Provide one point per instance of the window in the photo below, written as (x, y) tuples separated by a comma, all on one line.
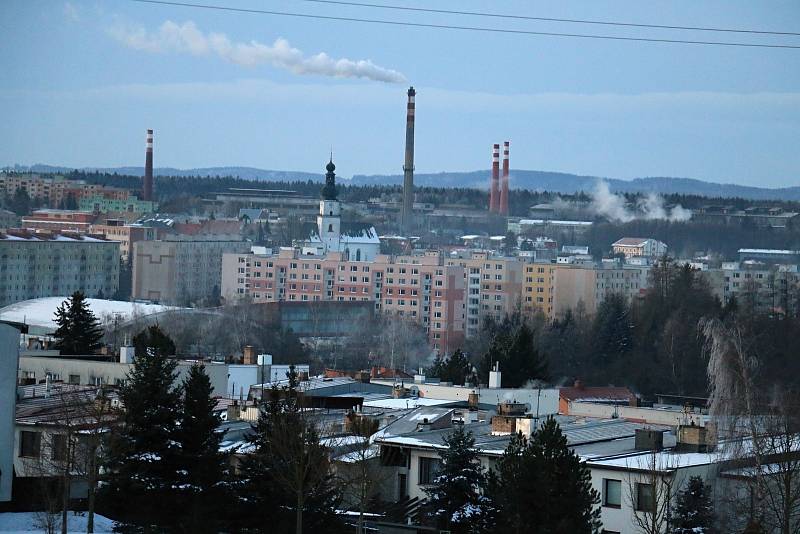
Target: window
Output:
[(74, 379), (645, 499), (428, 469), (29, 444), (59, 448), (612, 493)]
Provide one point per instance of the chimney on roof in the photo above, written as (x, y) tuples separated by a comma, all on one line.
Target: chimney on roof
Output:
[(692, 438), (647, 439), (495, 378), (248, 355)]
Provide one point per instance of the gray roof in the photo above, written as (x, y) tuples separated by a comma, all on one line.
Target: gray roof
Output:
[(595, 437)]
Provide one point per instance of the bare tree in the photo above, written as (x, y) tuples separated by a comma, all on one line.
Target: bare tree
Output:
[(360, 469), (651, 492)]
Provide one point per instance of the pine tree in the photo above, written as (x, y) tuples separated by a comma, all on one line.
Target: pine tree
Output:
[(78, 331), (694, 510), (142, 464), (286, 484), (520, 359), (455, 501), (455, 369), (153, 338), (202, 468), (540, 485), (567, 502)]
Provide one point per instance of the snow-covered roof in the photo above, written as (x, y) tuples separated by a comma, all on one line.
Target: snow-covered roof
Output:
[(41, 312), (402, 404), (555, 222), (767, 251)]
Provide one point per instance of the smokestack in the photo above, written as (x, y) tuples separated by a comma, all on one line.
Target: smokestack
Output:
[(147, 184), (408, 167), (504, 182), (494, 191)]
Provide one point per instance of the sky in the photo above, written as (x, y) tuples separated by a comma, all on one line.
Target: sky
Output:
[(80, 82)]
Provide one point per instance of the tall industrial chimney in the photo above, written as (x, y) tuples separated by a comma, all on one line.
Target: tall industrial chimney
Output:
[(408, 167), (504, 182), (494, 188), (147, 184)]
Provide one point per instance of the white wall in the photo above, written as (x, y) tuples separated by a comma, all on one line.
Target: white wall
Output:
[(648, 415), (9, 354), (622, 519), (240, 378), (108, 372)]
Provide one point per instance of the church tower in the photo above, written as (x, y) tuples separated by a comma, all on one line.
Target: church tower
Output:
[(329, 219)]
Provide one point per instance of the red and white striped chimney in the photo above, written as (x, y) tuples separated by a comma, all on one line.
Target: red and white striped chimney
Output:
[(494, 189), (147, 183), (504, 182)]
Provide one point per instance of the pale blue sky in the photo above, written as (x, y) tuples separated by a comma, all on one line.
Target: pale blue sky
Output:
[(81, 81)]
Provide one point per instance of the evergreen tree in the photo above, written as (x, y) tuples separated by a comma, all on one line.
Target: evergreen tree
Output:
[(20, 203), (541, 486), (455, 369), (142, 466), (518, 356), (286, 484), (202, 468), (78, 331), (125, 280), (153, 338), (694, 510), (455, 500)]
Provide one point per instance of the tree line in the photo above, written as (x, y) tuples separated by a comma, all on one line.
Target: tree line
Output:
[(652, 344)]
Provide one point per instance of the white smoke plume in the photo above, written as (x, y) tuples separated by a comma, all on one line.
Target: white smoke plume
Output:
[(187, 38), (615, 207)]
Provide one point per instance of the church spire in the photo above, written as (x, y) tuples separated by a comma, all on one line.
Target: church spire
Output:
[(329, 191)]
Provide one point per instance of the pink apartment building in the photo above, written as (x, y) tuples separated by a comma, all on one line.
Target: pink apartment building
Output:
[(418, 287)]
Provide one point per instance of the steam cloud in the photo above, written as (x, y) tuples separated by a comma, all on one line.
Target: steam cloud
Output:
[(187, 38), (615, 208)]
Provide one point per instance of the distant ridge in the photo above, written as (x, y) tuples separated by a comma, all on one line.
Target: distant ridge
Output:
[(520, 179)]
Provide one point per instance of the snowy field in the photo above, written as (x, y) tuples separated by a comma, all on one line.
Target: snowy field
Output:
[(30, 522)]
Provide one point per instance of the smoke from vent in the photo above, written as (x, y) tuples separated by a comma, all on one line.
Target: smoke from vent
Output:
[(615, 207)]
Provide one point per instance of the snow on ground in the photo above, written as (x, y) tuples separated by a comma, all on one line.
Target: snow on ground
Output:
[(41, 312), (30, 522)]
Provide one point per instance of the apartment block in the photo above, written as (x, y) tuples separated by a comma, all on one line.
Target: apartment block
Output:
[(418, 287), (56, 190), (180, 271), (760, 287), (538, 288), (125, 234), (587, 285), (48, 264), (493, 286), (58, 220), (105, 204)]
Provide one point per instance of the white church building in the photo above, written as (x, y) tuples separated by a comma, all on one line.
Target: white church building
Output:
[(362, 244)]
